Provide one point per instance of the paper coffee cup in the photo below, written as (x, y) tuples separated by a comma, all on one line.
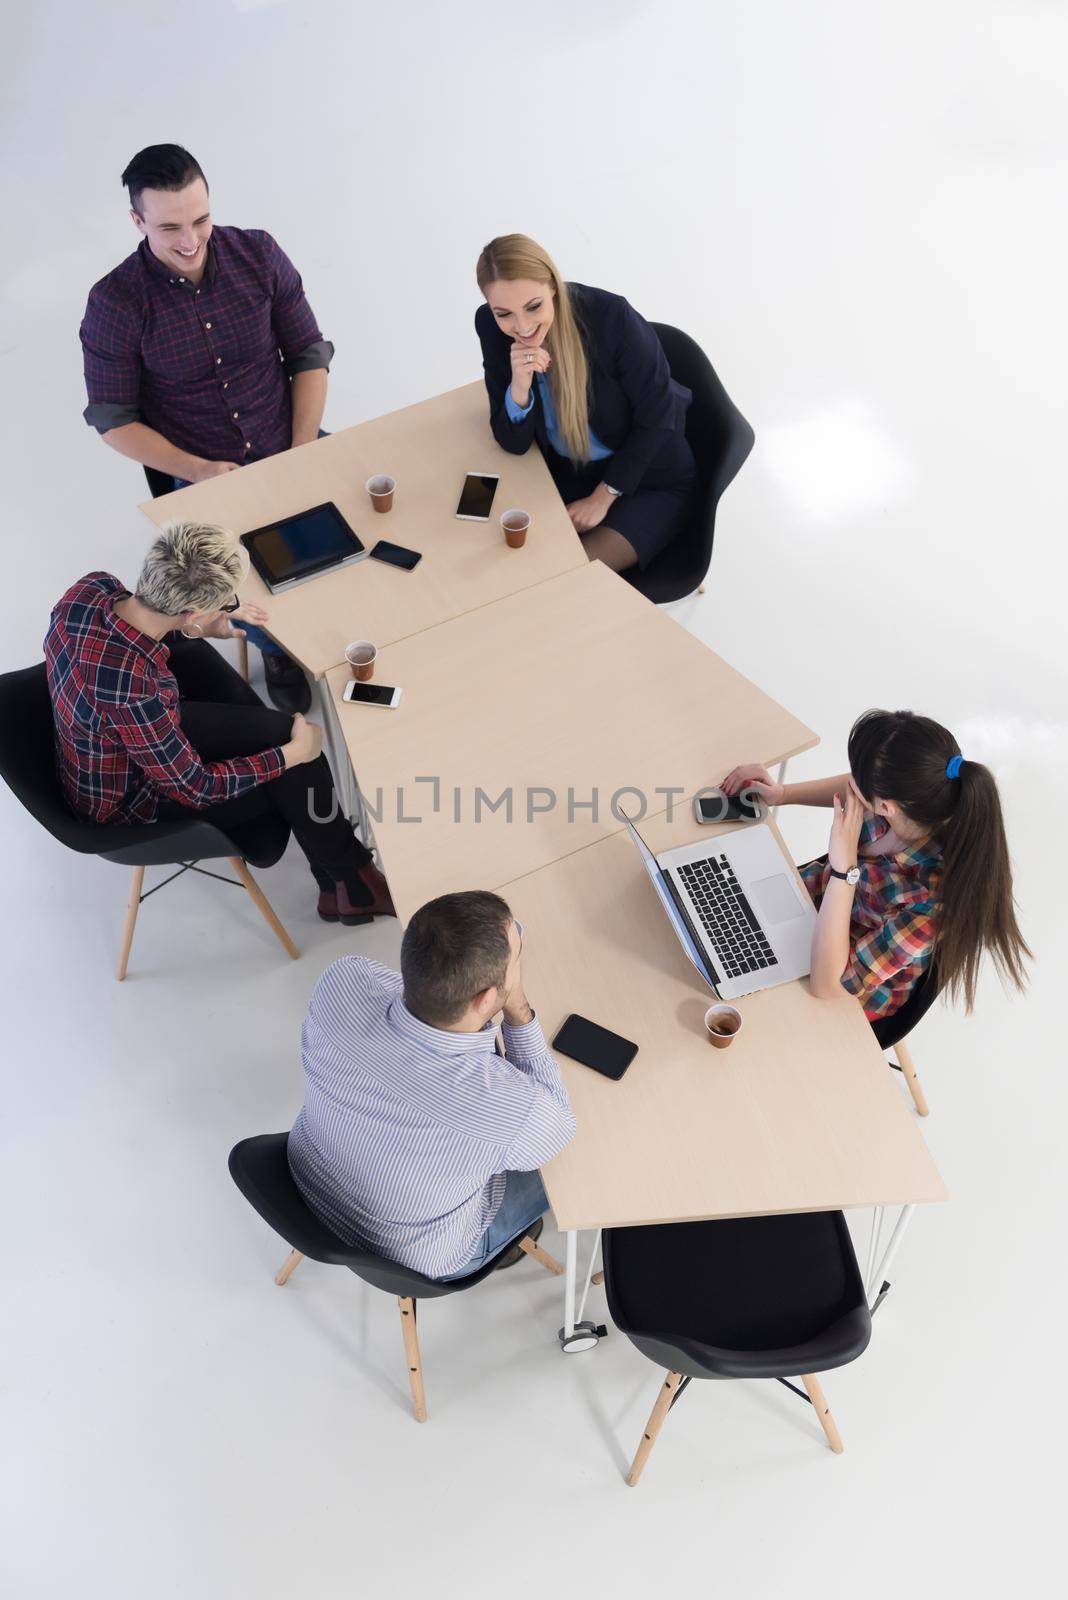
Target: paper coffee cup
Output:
[(361, 656), (381, 488), (515, 525), (723, 1023)]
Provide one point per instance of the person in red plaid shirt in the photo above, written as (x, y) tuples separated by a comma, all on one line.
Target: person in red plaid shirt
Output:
[(201, 351), (152, 723), (917, 872)]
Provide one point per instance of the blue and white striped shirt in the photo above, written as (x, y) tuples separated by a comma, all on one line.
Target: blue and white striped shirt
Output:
[(407, 1131)]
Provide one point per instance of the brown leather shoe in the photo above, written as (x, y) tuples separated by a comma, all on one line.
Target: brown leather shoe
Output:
[(372, 879), (327, 907), (355, 913)]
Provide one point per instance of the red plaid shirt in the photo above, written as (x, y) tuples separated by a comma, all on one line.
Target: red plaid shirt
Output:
[(120, 748), (208, 364), (896, 908)]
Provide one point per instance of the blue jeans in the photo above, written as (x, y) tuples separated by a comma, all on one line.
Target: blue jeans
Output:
[(523, 1203), (254, 636)]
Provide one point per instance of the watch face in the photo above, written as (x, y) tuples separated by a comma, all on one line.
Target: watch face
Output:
[(853, 875)]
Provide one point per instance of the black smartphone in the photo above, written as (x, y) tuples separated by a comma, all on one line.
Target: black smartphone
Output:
[(395, 555), (595, 1047), (476, 497), (719, 807)]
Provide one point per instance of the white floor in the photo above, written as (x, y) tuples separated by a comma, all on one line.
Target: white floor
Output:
[(858, 211)]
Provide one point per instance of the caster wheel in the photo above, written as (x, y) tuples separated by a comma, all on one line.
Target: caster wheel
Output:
[(584, 1337)]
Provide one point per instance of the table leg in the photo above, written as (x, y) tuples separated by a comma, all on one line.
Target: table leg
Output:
[(888, 1256), (570, 1283), (576, 1335), (873, 1245), (337, 754)]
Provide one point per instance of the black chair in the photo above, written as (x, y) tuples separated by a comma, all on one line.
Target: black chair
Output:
[(892, 1031), (260, 1168), (751, 1297), (720, 439), (27, 765)]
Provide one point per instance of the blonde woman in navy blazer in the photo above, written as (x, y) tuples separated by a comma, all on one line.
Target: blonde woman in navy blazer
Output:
[(581, 372)]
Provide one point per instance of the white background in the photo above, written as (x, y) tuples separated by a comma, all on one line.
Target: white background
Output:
[(858, 210)]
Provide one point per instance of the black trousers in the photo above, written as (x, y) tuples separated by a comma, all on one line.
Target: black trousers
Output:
[(222, 717)]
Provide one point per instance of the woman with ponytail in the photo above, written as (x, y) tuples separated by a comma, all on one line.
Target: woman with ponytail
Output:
[(580, 371), (917, 874)]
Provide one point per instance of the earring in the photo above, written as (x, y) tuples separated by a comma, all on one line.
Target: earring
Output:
[(198, 632)]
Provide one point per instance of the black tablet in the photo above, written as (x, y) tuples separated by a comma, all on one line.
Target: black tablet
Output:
[(297, 548)]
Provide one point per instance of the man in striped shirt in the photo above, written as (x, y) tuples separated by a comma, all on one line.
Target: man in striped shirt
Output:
[(417, 1140)]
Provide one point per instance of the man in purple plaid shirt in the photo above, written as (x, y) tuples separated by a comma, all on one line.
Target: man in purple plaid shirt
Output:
[(201, 350)]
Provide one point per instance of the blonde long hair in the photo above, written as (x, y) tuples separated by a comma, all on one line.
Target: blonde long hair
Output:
[(514, 256)]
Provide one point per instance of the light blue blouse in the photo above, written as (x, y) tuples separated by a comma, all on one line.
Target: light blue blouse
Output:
[(598, 451)]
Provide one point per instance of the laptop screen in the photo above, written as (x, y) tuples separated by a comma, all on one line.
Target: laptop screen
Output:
[(656, 878)]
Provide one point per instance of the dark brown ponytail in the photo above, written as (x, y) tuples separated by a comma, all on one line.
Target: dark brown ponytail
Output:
[(896, 755)]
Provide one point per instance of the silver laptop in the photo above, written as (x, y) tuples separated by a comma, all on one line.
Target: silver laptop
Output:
[(737, 908)]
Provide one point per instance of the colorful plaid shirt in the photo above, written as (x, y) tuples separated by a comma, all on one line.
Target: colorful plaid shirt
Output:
[(896, 907), (120, 748), (207, 364)]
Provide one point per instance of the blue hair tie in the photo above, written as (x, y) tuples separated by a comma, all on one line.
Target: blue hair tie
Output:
[(953, 769)]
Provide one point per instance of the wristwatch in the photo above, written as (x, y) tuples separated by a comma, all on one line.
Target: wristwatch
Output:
[(852, 877), (616, 494)]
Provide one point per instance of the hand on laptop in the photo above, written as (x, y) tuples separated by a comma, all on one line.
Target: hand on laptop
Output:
[(755, 777)]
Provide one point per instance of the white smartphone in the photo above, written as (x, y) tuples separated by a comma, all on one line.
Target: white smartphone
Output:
[(371, 694), (476, 497)]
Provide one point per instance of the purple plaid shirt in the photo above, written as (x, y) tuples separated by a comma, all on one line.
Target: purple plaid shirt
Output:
[(207, 365)]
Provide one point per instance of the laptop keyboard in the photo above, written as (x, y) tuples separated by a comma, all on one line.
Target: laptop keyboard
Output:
[(726, 916)]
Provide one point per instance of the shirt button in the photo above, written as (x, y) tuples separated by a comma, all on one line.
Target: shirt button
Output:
[(207, 324), (226, 385), (236, 415), (181, 280), (218, 361), (248, 444)]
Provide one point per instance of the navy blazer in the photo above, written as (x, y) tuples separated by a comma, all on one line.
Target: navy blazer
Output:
[(636, 408)]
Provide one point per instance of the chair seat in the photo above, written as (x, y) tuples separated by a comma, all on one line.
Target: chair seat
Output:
[(260, 1168), (746, 1297)]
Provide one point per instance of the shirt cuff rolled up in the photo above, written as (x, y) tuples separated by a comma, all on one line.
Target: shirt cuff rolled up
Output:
[(314, 357), (524, 1042), (103, 415)]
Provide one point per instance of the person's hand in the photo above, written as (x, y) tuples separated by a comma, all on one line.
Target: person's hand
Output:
[(591, 512), (247, 611), (757, 778), (305, 741), (526, 361), (213, 469), (223, 626), (517, 1008), (845, 831)]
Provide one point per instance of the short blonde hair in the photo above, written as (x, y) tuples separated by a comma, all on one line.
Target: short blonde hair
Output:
[(192, 566)]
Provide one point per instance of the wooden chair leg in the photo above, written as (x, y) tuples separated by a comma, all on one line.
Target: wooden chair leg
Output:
[(288, 1267), (264, 907), (823, 1411), (653, 1426), (904, 1061), (411, 1355), (133, 904), (242, 658), (542, 1257)]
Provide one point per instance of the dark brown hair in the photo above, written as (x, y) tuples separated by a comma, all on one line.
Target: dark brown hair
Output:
[(897, 755), (160, 166), (453, 948)]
